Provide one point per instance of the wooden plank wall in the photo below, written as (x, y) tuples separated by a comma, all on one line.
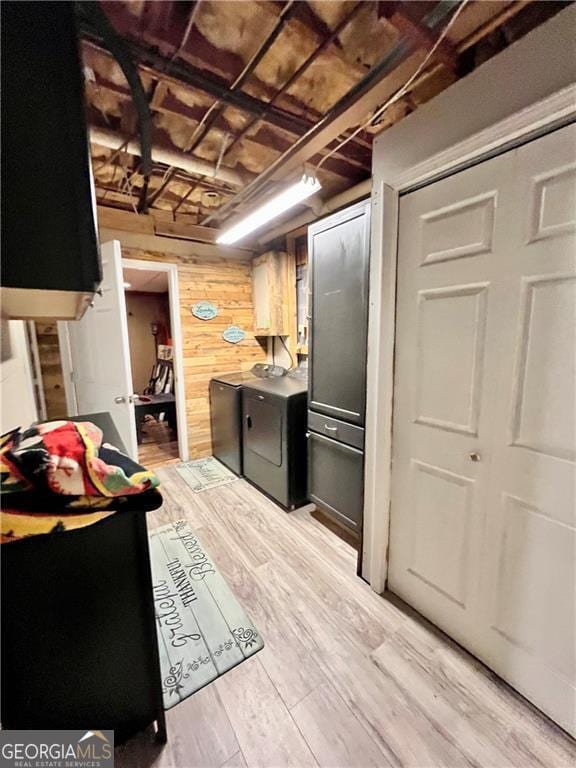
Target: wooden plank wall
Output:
[(51, 368), (227, 283)]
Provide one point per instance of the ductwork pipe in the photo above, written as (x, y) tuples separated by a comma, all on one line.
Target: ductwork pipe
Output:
[(328, 206), (185, 162)]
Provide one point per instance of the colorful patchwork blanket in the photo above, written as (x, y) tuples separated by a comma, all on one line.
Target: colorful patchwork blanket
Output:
[(60, 476)]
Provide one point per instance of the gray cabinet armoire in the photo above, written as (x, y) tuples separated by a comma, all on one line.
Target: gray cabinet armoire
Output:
[(339, 249)]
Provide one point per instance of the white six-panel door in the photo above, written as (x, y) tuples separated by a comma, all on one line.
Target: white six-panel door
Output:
[(482, 536)]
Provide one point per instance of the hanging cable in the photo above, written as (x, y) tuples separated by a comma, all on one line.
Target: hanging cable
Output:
[(401, 91), (292, 363)]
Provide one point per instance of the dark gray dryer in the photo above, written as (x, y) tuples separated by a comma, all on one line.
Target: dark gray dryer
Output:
[(274, 431)]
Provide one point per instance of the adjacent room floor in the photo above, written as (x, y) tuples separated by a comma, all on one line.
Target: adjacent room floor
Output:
[(159, 445), (347, 678)]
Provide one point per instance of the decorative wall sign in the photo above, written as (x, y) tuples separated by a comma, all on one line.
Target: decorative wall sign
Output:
[(204, 310), (233, 334)]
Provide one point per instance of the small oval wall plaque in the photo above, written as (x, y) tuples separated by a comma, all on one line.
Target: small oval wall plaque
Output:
[(233, 334), (204, 310)]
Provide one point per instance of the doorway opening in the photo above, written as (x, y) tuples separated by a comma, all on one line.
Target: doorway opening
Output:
[(151, 360), (153, 332), (134, 371)]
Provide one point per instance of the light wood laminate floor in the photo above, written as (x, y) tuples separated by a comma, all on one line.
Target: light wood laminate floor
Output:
[(347, 677), (159, 445)]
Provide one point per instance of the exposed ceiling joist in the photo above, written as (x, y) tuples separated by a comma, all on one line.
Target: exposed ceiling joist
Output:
[(226, 63), (329, 37), (184, 74), (347, 164), (356, 155), (347, 112), (410, 28), (235, 87), (217, 109), (157, 224)]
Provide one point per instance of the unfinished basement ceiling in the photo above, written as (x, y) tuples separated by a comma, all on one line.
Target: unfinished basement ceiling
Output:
[(235, 86)]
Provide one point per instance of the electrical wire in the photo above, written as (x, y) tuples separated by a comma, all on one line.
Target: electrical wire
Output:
[(401, 91), (292, 363)]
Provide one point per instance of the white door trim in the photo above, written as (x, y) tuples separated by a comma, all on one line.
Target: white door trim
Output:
[(176, 328), (66, 361), (543, 114)]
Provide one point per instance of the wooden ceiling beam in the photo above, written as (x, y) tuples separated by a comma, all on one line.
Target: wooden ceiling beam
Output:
[(357, 155), (159, 223), (183, 74), (340, 164), (347, 163), (222, 62), (306, 15), (423, 37), (348, 111), (230, 65)]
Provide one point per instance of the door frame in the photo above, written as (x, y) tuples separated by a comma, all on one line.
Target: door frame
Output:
[(443, 137), (176, 329), (176, 332)]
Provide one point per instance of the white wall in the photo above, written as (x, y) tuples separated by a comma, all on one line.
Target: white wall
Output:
[(17, 404), (539, 64)]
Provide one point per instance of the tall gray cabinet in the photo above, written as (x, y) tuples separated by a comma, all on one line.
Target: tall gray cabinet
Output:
[(339, 249)]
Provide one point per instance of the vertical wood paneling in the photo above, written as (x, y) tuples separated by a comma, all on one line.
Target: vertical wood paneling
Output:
[(51, 369), (227, 283)]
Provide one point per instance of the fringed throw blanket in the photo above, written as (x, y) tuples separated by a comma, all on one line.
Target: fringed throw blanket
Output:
[(60, 476)]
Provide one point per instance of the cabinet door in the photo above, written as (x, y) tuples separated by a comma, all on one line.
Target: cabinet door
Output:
[(274, 294), (339, 248), (225, 417), (263, 429), (335, 478)]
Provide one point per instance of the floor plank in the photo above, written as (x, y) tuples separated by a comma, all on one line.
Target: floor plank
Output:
[(200, 731), (461, 692), (384, 708), (334, 734), (159, 446), (342, 666), (265, 731), (285, 657), (236, 761)]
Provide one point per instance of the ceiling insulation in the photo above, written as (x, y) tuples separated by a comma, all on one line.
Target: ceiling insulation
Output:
[(211, 101)]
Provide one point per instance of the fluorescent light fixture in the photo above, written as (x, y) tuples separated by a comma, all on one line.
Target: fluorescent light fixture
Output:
[(291, 196)]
